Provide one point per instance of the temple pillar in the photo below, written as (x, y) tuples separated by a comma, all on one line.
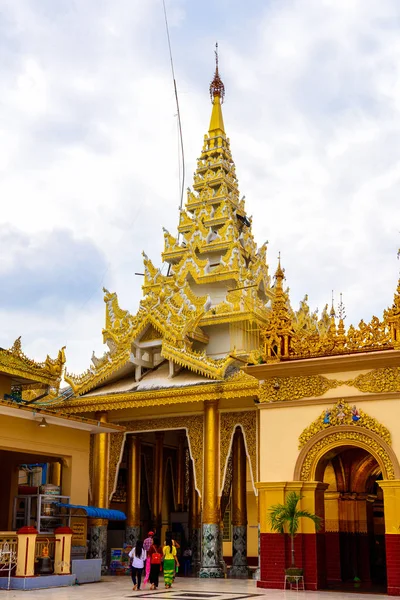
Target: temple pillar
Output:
[(256, 574), (272, 545), (158, 481), (313, 542), (309, 545), (332, 537), (239, 508), (98, 527), (391, 507), (211, 541), (55, 473), (132, 532), (194, 524), (180, 473)]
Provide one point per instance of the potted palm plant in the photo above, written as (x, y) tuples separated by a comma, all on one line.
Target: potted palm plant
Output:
[(286, 517)]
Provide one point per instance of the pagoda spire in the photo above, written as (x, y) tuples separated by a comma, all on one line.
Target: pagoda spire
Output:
[(217, 93)]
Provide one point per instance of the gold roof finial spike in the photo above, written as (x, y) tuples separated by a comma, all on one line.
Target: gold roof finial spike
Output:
[(333, 312), (217, 88), (279, 273)]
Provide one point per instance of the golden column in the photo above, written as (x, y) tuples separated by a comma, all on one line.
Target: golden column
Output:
[(180, 472), (194, 521), (211, 550), (132, 531), (158, 482), (55, 473), (98, 527), (239, 507), (100, 465)]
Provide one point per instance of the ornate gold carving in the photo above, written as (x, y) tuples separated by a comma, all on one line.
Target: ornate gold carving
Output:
[(15, 362), (294, 388), (279, 389), (192, 424), (343, 436), (292, 335), (378, 381), (342, 414), (228, 423)]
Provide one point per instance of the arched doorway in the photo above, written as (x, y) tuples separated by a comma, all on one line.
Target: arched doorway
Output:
[(353, 462), (354, 519)]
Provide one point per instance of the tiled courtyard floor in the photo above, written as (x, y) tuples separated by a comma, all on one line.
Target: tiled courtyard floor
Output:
[(116, 588)]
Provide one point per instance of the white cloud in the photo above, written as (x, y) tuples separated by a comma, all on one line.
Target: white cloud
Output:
[(88, 143)]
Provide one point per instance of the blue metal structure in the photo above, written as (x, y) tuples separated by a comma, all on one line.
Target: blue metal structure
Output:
[(95, 512)]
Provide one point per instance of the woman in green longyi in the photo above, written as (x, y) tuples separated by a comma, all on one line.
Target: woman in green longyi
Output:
[(169, 552)]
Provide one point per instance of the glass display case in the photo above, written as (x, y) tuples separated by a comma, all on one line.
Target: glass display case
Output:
[(41, 511)]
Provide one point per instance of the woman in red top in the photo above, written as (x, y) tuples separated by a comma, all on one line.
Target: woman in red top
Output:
[(155, 555)]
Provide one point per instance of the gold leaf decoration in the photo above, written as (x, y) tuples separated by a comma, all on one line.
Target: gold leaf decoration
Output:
[(378, 381), (295, 388), (228, 423), (343, 436), (343, 414)]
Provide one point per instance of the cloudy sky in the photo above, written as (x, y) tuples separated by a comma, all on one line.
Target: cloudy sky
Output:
[(89, 162)]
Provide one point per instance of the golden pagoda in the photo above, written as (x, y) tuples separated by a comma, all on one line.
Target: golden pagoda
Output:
[(232, 399), (173, 369)]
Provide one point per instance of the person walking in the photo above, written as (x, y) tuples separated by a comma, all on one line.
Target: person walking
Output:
[(147, 544), (155, 555), (169, 552), (138, 556), (177, 547)]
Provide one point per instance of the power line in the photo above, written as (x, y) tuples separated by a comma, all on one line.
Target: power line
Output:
[(177, 105)]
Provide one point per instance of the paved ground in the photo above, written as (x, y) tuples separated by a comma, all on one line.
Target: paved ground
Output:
[(115, 588)]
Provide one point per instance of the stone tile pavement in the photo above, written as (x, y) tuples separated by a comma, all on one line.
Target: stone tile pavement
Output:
[(116, 588)]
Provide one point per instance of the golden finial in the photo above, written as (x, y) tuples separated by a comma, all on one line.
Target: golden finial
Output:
[(279, 273), (217, 88), (333, 312)]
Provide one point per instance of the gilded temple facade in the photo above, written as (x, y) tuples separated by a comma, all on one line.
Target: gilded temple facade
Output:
[(231, 398), (172, 378)]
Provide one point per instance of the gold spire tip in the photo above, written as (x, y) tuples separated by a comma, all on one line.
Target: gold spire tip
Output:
[(280, 273), (217, 88)]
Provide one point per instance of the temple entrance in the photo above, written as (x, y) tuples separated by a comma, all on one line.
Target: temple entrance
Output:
[(156, 490), (354, 520)]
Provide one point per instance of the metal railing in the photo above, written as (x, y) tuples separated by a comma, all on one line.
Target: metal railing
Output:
[(8, 541)]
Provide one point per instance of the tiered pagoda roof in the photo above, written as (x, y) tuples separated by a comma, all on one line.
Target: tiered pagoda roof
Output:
[(216, 276)]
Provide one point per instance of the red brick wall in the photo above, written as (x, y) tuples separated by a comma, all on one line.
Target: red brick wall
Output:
[(272, 561), (275, 556), (393, 564)]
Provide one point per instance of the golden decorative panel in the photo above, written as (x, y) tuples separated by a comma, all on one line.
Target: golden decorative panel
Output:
[(343, 414), (195, 432), (228, 422), (376, 381), (294, 388), (332, 440), (115, 456)]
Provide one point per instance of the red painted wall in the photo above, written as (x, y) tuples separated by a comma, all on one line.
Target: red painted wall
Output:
[(393, 564), (275, 557)]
